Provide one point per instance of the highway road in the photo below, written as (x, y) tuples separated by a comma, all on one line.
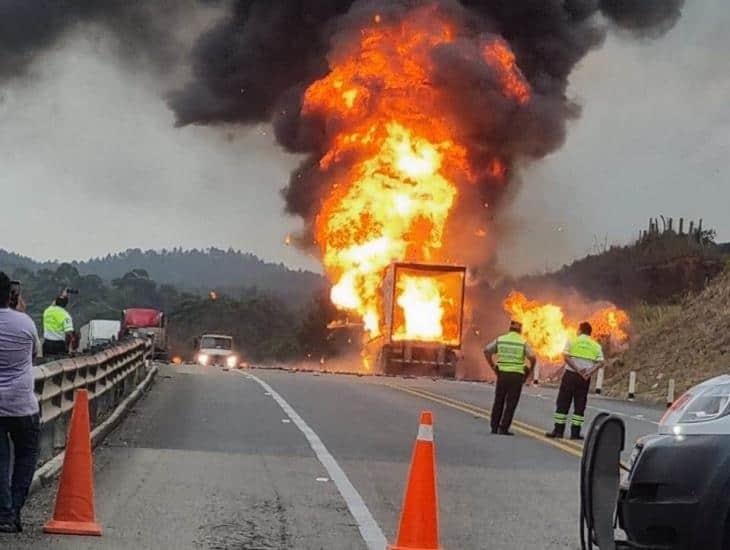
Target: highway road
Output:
[(268, 459)]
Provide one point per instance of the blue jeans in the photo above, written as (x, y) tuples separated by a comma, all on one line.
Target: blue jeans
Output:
[(24, 432)]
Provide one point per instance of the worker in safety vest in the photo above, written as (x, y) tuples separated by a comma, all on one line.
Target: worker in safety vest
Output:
[(583, 356), (58, 327), (512, 352)]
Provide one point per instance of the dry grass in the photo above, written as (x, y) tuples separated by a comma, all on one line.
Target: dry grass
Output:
[(689, 342)]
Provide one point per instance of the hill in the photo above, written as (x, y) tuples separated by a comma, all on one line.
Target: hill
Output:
[(660, 267), (689, 342), (198, 271)]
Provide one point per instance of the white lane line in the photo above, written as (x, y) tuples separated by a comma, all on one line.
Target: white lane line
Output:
[(371, 532)]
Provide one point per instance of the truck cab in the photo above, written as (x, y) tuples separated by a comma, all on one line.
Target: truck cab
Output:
[(216, 349)]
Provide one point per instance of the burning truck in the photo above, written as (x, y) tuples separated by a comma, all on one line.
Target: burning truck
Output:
[(423, 307)]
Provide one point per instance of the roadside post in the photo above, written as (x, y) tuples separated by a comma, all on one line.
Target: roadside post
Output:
[(599, 381), (632, 385)]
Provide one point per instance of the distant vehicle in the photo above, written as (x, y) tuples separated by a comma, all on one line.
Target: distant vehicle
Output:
[(145, 323), (216, 349), (677, 493), (97, 334)]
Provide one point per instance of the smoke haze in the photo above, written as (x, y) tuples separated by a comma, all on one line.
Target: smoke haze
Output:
[(59, 84)]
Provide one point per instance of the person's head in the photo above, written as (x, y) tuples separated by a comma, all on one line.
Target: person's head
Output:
[(585, 328), (515, 326), (4, 290), (62, 301)]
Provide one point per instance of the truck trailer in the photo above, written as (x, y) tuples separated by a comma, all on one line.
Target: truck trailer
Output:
[(398, 351), (97, 334)]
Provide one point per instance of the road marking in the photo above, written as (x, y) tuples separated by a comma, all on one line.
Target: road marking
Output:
[(371, 532), (570, 447), (520, 427)]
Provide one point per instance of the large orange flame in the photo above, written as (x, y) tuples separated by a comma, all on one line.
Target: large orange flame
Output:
[(394, 164), (546, 328)]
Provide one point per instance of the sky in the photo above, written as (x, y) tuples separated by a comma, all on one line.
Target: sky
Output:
[(91, 162)]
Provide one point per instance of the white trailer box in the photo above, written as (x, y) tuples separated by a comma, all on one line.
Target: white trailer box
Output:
[(98, 333)]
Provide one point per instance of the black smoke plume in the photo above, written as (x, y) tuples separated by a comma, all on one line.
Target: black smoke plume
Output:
[(256, 64), (143, 28)]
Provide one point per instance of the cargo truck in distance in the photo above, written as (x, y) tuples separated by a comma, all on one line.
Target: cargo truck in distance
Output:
[(396, 351), (98, 333), (141, 322)]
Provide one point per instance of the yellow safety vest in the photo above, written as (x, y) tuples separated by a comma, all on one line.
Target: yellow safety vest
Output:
[(56, 323), (585, 347), (511, 353)]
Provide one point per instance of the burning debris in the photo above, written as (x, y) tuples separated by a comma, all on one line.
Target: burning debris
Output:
[(547, 329)]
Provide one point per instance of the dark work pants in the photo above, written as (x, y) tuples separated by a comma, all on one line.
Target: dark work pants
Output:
[(506, 397), (24, 433), (573, 390), (53, 348)]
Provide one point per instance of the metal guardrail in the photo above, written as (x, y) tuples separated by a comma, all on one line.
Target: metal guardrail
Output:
[(108, 376)]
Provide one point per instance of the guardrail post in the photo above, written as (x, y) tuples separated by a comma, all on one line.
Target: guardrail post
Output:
[(632, 385), (599, 381), (670, 393)]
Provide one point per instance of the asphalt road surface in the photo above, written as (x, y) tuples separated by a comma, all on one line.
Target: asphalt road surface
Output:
[(215, 459)]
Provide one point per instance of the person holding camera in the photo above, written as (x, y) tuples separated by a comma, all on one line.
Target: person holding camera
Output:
[(19, 411), (58, 327)]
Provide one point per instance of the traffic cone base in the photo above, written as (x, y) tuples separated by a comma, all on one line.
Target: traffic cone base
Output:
[(419, 523), (83, 528), (74, 511)]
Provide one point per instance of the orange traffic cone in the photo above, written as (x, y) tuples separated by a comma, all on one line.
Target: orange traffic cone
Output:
[(74, 513), (419, 522)]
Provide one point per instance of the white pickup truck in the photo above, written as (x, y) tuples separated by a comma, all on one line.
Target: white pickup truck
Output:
[(216, 349)]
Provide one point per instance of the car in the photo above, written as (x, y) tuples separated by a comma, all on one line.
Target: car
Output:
[(216, 349), (677, 492)]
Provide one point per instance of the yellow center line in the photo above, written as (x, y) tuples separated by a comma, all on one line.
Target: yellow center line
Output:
[(524, 425), (520, 427)]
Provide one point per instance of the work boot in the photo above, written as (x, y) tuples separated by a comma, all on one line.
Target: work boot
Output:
[(502, 431), (557, 433), (575, 433)]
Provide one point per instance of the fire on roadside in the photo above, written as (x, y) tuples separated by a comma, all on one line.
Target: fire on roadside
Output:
[(547, 329), (395, 166)]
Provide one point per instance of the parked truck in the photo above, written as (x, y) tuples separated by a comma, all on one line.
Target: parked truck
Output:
[(144, 322), (397, 351), (97, 334)]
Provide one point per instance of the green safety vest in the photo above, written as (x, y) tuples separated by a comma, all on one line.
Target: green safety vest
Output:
[(511, 353), (56, 323), (585, 347)]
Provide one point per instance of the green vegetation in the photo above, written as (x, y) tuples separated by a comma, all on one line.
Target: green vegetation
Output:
[(198, 271), (264, 326)]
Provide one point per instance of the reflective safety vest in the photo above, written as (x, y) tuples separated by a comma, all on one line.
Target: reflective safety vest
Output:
[(585, 347), (511, 353), (56, 323)]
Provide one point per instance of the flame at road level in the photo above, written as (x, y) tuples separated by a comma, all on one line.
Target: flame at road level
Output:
[(393, 161), (548, 331)]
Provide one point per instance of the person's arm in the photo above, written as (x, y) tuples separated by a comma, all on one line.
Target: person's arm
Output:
[(569, 361), (531, 357), (489, 352), (36, 339), (600, 362), (68, 329)]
